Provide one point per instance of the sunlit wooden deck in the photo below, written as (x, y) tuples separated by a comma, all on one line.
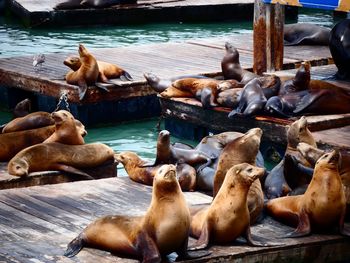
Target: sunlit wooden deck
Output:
[(38, 222)]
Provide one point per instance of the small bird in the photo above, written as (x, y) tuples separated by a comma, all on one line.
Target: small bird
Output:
[(38, 59)]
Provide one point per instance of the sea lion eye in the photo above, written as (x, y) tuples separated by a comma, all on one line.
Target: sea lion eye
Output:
[(250, 170), (18, 167)]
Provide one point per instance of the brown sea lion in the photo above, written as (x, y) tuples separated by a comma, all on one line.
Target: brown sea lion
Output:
[(172, 92), (87, 74), (244, 149), (162, 230), (22, 108), (251, 101), (321, 207), (61, 157), (228, 216), (229, 98), (305, 34), (276, 184), (66, 131), (134, 167), (300, 81), (30, 121), (13, 142), (167, 154), (231, 67), (106, 70)]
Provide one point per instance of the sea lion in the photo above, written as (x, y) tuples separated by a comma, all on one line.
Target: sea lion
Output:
[(276, 181), (159, 85), (244, 149), (61, 157), (321, 207), (300, 81), (69, 4), (231, 67), (13, 142), (87, 74), (167, 154), (134, 167), (228, 216), (339, 46), (162, 230), (105, 3), (229, 98), (312, 154), (251, 101), (106, 70), (30, 121), (66, 131), (305, 34), (172, 92), (22, 108)]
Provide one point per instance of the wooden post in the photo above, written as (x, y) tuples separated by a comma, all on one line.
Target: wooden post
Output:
[(268, 37)]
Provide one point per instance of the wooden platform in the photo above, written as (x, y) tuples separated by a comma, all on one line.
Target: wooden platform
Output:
[(38, 222), (19, 79), (53, 177)]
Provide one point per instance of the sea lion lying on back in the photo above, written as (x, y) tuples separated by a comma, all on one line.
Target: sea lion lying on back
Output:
[(106, 70), (87, 74), (162, 230)]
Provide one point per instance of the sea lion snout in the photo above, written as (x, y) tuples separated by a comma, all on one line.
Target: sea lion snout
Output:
[(167, 172), (164, 133), (332, 157)]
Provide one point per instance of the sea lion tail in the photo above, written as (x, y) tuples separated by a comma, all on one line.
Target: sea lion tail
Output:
[(74, 246), (126, 76)]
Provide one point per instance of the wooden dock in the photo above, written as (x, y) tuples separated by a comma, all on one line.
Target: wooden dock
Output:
[(132, 99), (38, 222)]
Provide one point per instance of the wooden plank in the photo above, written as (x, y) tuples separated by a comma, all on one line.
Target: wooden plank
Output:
[(339, 138)]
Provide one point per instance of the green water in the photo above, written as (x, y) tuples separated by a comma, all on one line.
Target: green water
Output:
[(140, 136)]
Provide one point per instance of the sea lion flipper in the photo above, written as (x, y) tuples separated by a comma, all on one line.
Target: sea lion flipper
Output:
[(126, 76), (82, 89), (104, 86), (304, 227), (345, 231), (74, 246), (203, 240), (307, 100), (70, 169), (148, 248)]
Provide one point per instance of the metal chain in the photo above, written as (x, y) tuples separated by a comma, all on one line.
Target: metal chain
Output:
[(63, 98)]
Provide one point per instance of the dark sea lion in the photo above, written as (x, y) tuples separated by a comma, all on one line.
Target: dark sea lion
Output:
[(70, 4), (106, 70), (66, 131), (167, 154), (87, 74), (275, 184), (321, 207), (22, 108), (339, 45), (306, 34), (61, 157), (162, 230), (300, 81), (244, 149), (228, 216), (30, 121), (13, 142), (134, 167), (159, 85), (252, 100), (231, 67)]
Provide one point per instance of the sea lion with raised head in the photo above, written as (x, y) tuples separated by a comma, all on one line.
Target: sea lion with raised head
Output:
[(162, 230), (22, 108), (228, 216), (87, 74), (321, 207), (66, 130), (300, 81), (231, 67), (134, 167), (61, 157)]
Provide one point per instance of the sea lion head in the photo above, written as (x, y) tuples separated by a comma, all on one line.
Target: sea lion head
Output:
[(310, 153), (331, 160), (302, 77), (80, 127), (18, 167), (83, 51), (164, 137), (165, 181), (244, 174), (22, 108), (73, 62), (299, 132), (151, 78), (61, 116), (233, 53), (128, 158), (253, 135)]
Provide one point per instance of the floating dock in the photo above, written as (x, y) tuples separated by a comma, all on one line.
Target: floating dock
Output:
[(132, 99), (38, 222), (43, 14)]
